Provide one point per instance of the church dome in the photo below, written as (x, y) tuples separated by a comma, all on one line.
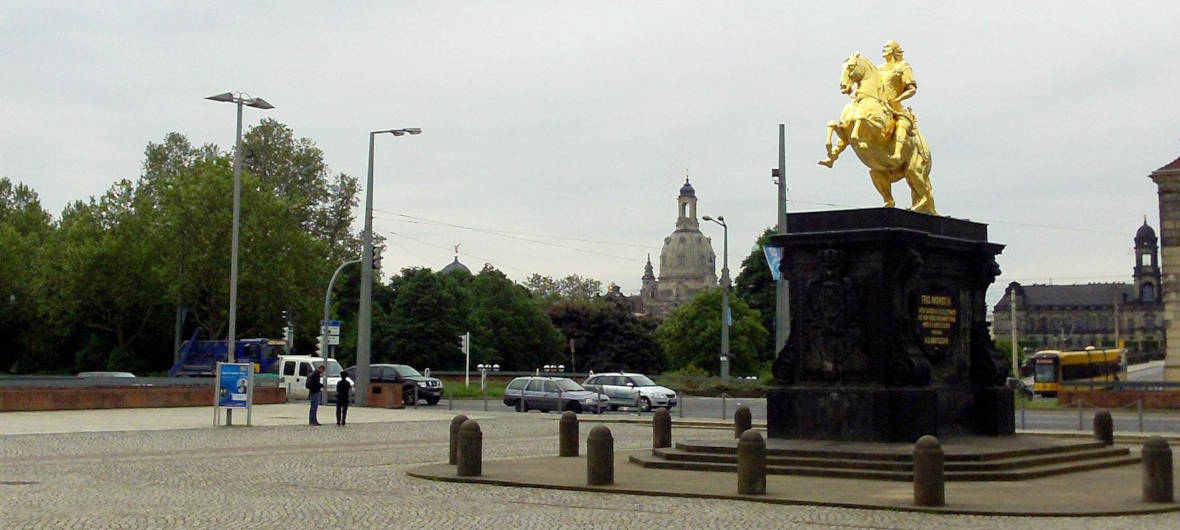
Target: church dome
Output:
[(455, 266), (687, 190), (687, 253), (1145, 234)]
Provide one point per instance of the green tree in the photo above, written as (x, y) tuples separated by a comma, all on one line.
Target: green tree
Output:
[(294, 170), (508, 326), (25, 229), (573, 287), (428, 312), (109, 281), (755, 286), (607, 336), (691, 335)]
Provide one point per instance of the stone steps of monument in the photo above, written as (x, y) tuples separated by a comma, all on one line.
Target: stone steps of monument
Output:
[(730, 447), (905, 465), (1021, 468)]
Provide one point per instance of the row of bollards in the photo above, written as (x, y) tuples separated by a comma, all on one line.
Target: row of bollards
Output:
[(1156, 456), (466, 448), (929, 480)]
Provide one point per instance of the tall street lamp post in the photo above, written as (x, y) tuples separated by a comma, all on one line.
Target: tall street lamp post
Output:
[(724, 296), (365, 316), (238, 99)]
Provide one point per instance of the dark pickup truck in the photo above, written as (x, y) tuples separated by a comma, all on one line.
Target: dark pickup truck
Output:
[(429, 388)]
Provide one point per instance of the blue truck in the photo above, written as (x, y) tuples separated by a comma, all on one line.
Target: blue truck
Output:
[(199, 358)]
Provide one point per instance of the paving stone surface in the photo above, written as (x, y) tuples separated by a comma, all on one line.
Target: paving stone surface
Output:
[(354, 477)]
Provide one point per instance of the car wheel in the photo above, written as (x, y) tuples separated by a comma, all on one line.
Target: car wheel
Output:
[(408, 398), (614, 407), (522, 405), (544, 411), (574, 407), (644, 404)]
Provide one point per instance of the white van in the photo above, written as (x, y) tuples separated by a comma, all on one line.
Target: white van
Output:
[(295, 369)]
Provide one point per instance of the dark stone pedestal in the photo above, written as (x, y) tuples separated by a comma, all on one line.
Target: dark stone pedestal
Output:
[(883, 414), (889, 337)]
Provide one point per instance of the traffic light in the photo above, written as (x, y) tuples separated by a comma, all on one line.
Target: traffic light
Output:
[(463, 342), (376, 261)]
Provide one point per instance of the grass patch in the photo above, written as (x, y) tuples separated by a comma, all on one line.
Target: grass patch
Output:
[(461, 391)]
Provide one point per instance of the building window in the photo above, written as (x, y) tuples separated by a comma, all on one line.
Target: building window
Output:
[(1147, 292)]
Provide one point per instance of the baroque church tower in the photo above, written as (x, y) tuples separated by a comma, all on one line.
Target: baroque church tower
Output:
[(687, 261), (1147, 268)]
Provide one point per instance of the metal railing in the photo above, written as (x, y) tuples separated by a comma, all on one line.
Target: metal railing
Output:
[(1141, 386)]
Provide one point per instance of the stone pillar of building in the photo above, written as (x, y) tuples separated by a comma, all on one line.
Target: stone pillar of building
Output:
[(1167, 178)]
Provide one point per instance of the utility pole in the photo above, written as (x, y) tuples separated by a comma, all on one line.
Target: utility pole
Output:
[(782, 288), (1015, 343)]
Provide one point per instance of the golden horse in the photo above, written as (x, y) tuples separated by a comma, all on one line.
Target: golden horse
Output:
[(867, 125)]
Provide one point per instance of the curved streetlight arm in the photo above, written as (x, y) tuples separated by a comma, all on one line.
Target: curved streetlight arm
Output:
[(328, 308)]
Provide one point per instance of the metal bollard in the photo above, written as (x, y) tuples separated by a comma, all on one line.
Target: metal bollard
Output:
[(456, 422), (1157, 470), (470, 451), (929, 481), (600, 457), (741, 421), (567, 439), (723, 414), (681, 404), (1104, 427), (1080, 413), (415, 396), (661, 429), (484, 391), (751, 463)]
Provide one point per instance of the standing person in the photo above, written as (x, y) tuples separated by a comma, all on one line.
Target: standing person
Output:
[(315, 384), (343, 393)]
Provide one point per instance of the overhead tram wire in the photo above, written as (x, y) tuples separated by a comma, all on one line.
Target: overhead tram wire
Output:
[(543, 243), (510, 233), (492, 262)]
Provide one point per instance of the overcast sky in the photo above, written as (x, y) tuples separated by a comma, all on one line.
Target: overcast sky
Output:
[(557, 134)]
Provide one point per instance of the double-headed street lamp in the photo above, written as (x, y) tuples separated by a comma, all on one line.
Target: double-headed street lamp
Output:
[(724, 297), (239, 99), (365, 317)]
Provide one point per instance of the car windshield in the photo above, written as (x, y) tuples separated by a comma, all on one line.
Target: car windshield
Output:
[(641, 380), (406, 371), (332, 367), (567, 385)]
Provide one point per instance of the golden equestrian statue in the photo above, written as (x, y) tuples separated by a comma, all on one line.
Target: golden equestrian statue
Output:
[(882, 133)]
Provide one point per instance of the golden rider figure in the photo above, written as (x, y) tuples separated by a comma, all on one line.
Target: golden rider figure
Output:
[(899, 85)]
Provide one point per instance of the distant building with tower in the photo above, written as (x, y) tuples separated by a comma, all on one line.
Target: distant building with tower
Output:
[(1094, 314), (687, 261)]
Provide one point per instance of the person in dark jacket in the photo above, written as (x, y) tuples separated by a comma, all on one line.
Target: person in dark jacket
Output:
[(315, 384), (343, 391)]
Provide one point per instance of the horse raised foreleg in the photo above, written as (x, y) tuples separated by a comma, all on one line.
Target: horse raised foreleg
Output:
[(884, 185), (854, 136), (833, 154)]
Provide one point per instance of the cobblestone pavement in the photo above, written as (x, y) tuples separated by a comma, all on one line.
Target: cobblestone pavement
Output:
[(354, 477)]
